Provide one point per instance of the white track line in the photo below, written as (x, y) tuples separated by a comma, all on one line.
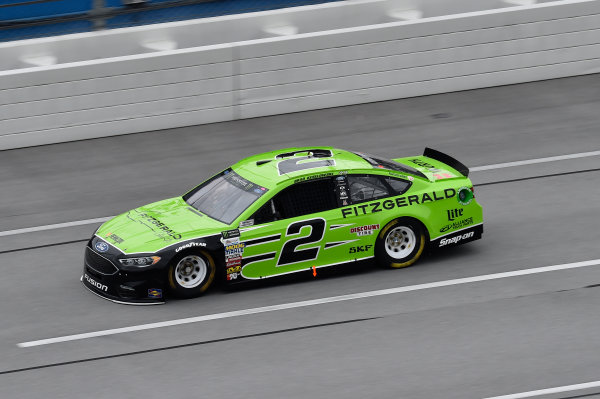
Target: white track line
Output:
[(533, 161), (566, 388), (313, 302), (473, 169), (54, 226)]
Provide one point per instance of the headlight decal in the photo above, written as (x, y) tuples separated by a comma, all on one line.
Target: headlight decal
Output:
[(143, 261)]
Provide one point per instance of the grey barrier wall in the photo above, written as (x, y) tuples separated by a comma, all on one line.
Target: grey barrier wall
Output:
[(149, 78)]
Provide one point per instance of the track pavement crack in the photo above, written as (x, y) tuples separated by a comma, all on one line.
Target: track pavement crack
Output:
[(537, 177), (43, 246)]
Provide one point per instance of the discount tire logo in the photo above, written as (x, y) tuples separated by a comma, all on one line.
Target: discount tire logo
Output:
[(364, 230), (455, 239)]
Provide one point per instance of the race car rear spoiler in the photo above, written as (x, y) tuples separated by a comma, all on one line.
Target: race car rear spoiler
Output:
[(447, 159)]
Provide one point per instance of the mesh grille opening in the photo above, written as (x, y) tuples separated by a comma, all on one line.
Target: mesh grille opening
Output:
[(98, 263)]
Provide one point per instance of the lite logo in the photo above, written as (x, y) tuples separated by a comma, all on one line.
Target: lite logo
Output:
[(454, 213)]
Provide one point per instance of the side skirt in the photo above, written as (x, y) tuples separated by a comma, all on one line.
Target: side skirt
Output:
[(121, 302), (306, 270)]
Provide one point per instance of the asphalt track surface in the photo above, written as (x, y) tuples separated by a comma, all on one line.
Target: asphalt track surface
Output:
[(473, 340)]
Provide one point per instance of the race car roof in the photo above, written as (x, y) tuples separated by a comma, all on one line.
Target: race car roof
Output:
[(271, 168)]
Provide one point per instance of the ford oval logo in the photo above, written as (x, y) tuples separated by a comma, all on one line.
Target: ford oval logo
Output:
[(101, 246)]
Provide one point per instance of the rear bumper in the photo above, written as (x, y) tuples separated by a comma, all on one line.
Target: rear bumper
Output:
[(458, 237)]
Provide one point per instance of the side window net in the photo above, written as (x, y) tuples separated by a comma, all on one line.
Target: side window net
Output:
[(305, 198), (366, 188), (264, 214), (297, 200)]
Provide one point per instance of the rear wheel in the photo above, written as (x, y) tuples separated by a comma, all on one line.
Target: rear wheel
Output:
[(400, 243), (191, 274)]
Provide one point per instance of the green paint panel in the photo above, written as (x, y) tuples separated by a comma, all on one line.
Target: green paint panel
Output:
[(335, 236), (152, 227)]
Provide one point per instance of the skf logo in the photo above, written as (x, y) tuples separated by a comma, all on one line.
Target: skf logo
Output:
[(454, 213), (360, 248), (96, 284)]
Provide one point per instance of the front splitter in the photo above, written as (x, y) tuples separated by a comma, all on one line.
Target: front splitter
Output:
[(121, 301)]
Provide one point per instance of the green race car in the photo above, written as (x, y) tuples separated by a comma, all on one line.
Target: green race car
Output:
[(282, 212)]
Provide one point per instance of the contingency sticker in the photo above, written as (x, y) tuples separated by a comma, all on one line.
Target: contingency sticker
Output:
[(364, 230), (341, 191), (154, 293), (234, 250)]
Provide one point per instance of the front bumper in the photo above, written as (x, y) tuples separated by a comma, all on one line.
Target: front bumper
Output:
[(127, 301), (103, 277)]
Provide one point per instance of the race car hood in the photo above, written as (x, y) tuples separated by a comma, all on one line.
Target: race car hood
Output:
[(152, 227)]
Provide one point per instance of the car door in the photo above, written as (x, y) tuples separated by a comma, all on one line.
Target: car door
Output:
[(288, 232), (369, 206)]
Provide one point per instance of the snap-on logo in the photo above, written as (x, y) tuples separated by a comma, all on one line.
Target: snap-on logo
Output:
[(456, 239)]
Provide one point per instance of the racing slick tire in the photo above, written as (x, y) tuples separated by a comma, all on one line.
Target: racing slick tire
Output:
[(400, 243), (191, 274)]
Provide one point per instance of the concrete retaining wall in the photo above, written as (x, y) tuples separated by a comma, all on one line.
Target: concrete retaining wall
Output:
[(287, 63)]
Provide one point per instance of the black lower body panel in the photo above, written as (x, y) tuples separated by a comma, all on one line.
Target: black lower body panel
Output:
[(458, 237), (129, 288)]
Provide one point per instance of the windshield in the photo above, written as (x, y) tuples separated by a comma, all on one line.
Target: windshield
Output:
[(225, 196)]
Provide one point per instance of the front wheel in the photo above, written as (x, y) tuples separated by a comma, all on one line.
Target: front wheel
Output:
[(191, 274), (400, 243)]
